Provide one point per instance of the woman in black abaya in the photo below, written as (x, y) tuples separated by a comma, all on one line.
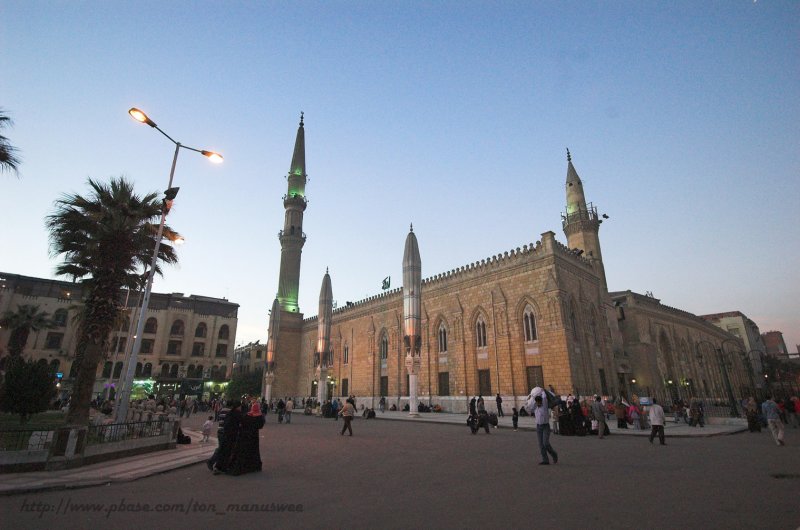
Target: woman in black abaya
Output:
[(246, 455)]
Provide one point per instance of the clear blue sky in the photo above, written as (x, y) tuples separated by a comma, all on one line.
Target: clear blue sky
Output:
[(683, 119)]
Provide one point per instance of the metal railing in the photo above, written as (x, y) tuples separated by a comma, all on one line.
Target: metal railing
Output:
[(31, 439), (117, 432)]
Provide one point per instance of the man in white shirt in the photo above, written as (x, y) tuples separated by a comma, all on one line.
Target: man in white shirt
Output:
[(542, 416), (656, 415), (289, 408)]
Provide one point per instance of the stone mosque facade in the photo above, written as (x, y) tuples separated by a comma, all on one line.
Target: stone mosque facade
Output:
[(539, 314)]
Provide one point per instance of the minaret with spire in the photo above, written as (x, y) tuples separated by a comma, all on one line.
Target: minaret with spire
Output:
[(580, 222), (322, 353), (412, 310), (292, 237)]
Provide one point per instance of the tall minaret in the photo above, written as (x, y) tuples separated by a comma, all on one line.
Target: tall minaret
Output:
[(272, 346), (412, 335), (292, 237), (580, 222), (323, 351)]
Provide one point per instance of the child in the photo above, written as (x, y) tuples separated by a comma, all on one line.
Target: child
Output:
[(554, 420), (514, 417), (207, 428)]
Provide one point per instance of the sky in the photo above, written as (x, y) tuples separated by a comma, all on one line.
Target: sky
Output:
[(683, 120)]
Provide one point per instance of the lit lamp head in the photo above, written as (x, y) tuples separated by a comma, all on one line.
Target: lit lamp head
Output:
[(214, 157), (140, 116)]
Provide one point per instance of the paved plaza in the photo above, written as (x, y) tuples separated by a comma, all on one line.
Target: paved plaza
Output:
[(406, 474)]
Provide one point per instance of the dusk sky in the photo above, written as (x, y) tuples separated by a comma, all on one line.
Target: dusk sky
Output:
[(683, 120)]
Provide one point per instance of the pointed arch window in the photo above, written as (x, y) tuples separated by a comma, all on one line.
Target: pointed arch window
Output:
[(151, 326), (529, 325), (442, 338), (573, 321), (480, 332), (346, 354), (384, 347), (60, 318), (177, 328)]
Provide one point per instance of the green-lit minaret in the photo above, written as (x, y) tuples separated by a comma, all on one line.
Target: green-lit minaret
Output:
[(292, 237)]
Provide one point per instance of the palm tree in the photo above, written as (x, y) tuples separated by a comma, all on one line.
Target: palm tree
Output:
[(9, 161), (21, 322), (106, 238)]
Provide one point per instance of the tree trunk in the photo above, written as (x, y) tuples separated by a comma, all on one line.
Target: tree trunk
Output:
[(84, 384)]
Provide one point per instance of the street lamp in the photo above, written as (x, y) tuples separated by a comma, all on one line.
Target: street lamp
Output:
[(124, 395)]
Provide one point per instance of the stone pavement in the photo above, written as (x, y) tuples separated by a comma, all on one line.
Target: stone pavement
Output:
[(145, 465)]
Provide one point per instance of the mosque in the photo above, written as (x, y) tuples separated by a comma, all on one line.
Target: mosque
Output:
[(540, 314)]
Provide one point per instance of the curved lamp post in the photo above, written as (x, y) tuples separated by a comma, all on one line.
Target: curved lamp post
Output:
[(169, 196)]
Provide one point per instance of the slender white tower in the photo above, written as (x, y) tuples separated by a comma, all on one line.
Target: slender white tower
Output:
[(412, 336), (272, 347), (322, 356)]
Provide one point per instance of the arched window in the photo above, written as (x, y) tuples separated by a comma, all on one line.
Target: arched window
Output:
[(138, 370), (384, 347), (198, 372), (480, 332), (126, 324), (529, 325), (54, 364), (173, 371), (107, 367), (151, 326), (164, 370), (222, 371), (117, 370), (190, 371), (177, 328), (346, 354), (214, 373), (442, 338), (60, 318), (148, 370), (201, 330), (223, 332)]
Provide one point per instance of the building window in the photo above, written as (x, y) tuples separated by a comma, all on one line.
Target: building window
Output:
[(147, 371), (258, 354), (223, 332), (173, 371), (121, 343), (174, 347), (444, 383), (384, 386), (146, 346), (222, 371), (151, 326), (126, 324), (346, 355), (177, 328), (60, 318), (535, 376), (484, 382), (442, 338), (573, 322), (107, 367), (345, 387), (201, 330), (117, 370), (222, 350), (138, 372), (164, 370), (480, 332), (529, 325), (53, 341), (384, 347), (54, 364), (214, 373), (198, 372), (197, 349)]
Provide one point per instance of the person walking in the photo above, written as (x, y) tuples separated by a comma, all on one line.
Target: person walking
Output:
[(656, 416), (514, 417), (348, 411), (499, 401), (598, 411), (770, 410), (542, 417), (288, 414)]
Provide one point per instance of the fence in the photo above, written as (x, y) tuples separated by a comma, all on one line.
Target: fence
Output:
[(30, 439), (118, 432)]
